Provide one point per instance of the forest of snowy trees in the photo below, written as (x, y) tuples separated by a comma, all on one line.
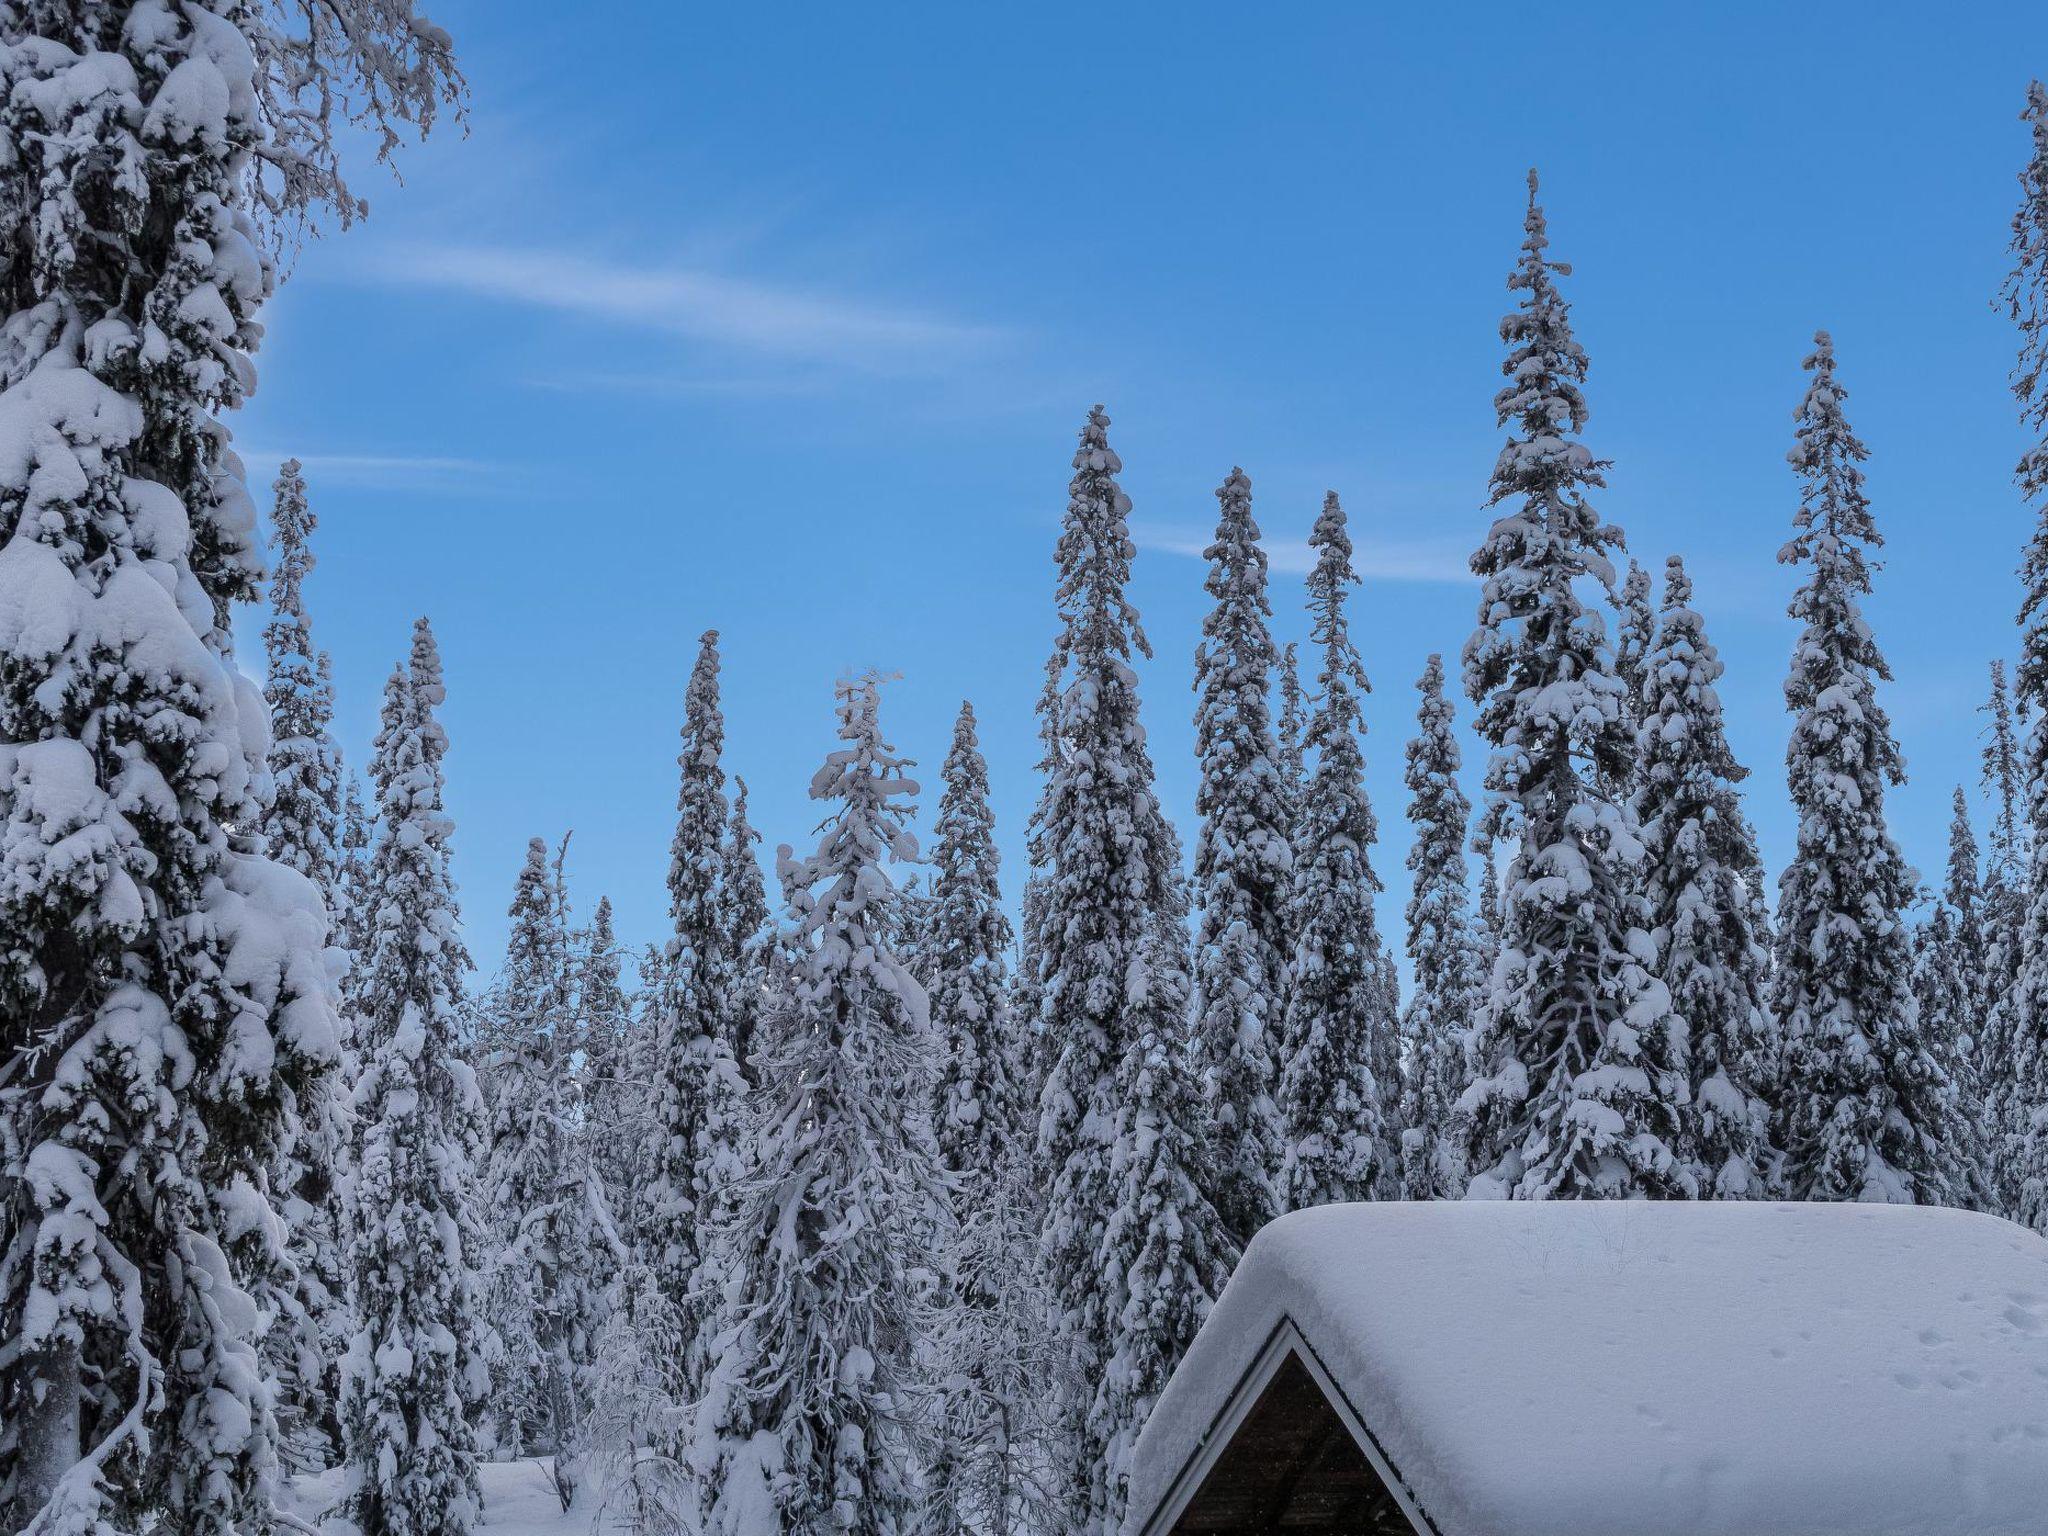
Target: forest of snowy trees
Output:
[(886, 1205)]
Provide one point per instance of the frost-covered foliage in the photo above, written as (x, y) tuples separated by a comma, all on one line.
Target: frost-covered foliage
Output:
[(1864, 1110), (2000, 915), (1581, 1061), (612, 1090), (2025, 293), (1111, 976), (302, 829), (413, 1373), (1291, 730), (1242, 861), (998, 1367), (1165, 1252), (1694, 885), (542, 1277), (1443, 950), (2023, 1159), (812, 1419), (168, 976), (992, 1351), (979, 1111), (694, 1145), (1948, 976), (302, 824), (1340, 1074), (743, 897)]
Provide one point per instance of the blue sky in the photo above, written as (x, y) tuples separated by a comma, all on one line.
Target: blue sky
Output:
[(782, 320)]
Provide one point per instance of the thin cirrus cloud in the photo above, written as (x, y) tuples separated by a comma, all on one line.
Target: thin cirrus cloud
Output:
[(743, 315), (1294, 557), (384, 470)]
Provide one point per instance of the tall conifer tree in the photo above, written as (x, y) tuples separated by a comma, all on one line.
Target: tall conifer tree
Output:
[(1443, 951), (811, 1420), (1695, 886), (1337, 1090), (413, 1372), (1241, 869), (695, 1145), (164, 1007), (2023, 1154), (1865, 1111), (1112, 981), (1581, 1059)]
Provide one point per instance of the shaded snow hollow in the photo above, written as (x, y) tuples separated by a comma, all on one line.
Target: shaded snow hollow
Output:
[(1657, 1369)]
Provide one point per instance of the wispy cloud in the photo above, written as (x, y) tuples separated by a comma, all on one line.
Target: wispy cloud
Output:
[(386, 470), (743, 314), (1376, 560)]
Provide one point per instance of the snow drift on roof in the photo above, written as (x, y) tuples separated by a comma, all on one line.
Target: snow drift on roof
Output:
[(1671, 1369)]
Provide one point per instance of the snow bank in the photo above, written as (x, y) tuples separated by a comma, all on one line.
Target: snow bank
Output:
[(1652, 1369)]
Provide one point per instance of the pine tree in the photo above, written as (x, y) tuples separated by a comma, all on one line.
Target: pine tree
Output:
[(301, 829), (1695, 885), (1165, 1251), (164, 1007), (537, 1181), (1292, 731), (2001, 915), (698, 1089), (352, 874), (1637, 631), (1443, 950), (811, 1422), (613, 1095), (1338, 1084), (978, 1111), (1948, 969), (1111, 973), (302, 823), (1241, 870), (745, 903), (1581, 1060), (413, 1371), (1865, 1112), (2023, 1131)]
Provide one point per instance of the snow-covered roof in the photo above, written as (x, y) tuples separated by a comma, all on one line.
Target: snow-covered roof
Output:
[(1666, 1369)]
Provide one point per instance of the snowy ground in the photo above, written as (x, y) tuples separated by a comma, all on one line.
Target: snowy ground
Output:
[(519, 1500)]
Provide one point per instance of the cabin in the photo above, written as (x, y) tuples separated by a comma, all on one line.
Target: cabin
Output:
[(1613, 1369)]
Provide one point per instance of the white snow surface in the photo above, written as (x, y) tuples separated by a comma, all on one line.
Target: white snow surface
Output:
[(1614, 1368)]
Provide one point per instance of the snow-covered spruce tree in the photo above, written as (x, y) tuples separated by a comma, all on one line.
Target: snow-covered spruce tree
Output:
[(1242, 861), (1948, 966), (812, 1418), (744, 896), (694, 1146), (1291, 733), (1581, 1060), (1699, 855), (302, 824), (1165, 1251), (163, 1004), (413, 1372), (1636, 632), (1338, 1031), (1111, 975), (614, 1099), (977, 1111), (1487, 921), (542, 1274), (991, 1348), (2001, 912), (1963, 891), (2023, 1153), (1864, 1110), (352, 875), (1443, 951), (302, 829)]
